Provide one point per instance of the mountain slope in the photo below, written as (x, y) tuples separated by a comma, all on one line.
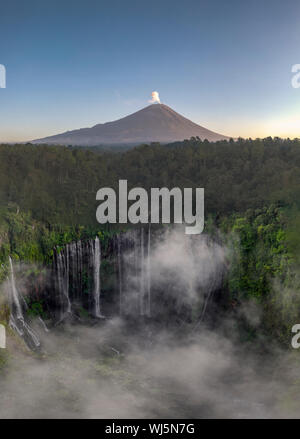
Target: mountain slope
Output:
[(155, 123)]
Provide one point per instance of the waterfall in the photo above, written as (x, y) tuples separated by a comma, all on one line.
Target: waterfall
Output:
[(149, 273), (77, 280), (62, 265), (74, 268), (43, 324), (133, 268), (77, 274), (97, 285), (129, 261), (142, 275), (80, 267), (136, 269), (15, 295), (120, 275), (17, 320), (129, 287)]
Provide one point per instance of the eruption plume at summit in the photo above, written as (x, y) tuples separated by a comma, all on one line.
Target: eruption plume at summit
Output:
[(155, 98)]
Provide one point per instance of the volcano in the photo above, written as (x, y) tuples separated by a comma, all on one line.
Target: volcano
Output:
[(155, 123)]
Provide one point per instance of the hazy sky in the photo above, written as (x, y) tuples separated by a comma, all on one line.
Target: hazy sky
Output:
[(224, 64)]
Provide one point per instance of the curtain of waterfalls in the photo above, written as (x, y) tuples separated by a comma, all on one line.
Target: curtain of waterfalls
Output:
[(77, 279)]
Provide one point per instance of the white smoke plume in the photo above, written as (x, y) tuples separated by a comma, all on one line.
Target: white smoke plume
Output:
[(155, 98)]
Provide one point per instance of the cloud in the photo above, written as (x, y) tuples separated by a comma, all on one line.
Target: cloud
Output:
[(155, 98)]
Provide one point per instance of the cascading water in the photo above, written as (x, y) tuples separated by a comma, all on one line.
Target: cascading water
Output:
[(142, 277), (62, 269), (17, 321), (134, 267), (73, 266), (149, 272), (77, 280), (133, 272), (119, 241), (78, 274), (97, 285), (129, 287)]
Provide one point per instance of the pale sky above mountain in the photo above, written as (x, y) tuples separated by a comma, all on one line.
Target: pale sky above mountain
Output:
[(224, 65)]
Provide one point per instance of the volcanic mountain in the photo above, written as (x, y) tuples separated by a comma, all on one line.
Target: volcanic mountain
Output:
[(155, 123)]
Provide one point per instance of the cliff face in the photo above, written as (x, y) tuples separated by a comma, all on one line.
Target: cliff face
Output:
[(130, 275)]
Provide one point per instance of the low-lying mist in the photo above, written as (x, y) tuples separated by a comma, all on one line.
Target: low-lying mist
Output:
[(139, 368)]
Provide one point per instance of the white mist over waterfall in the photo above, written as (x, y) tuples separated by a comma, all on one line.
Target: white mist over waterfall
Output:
[(146, 274), (163, 273), (166, 271), (134, 272)]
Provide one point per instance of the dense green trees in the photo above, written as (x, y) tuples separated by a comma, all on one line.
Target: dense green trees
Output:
[(58, 184), (252, 194), (264, 268)]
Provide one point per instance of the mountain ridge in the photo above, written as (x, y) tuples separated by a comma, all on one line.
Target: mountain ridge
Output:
[(154, 123)]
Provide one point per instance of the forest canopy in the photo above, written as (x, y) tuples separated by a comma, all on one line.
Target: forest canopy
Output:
[(58, 185), (252, 191)]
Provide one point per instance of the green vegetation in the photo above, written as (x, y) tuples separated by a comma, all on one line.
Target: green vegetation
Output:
[(252, 190), (264, 268), (58, 185)]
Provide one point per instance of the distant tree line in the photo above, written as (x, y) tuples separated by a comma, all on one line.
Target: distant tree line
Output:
[(58, 185)]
